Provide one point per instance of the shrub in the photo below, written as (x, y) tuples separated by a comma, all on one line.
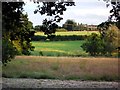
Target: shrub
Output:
[(40, 53), (8, 51), (95, 45)]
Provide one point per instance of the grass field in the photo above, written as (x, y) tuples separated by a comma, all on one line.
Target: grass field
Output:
[(70, 33), (61, 48), (58, 48), (62, 68)]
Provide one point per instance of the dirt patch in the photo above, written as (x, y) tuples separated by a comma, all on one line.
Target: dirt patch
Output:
[(47, 83)]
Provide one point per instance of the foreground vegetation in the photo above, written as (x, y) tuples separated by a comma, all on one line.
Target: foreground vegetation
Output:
[(62, 68)]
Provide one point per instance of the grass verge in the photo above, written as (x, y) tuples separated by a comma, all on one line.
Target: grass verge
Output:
[(77, 68)]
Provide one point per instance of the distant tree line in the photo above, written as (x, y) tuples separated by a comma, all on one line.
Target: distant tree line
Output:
[(59, 38), (71, 25)]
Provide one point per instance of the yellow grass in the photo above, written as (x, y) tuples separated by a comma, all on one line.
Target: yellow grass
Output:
[(63, 67), (70, 33)]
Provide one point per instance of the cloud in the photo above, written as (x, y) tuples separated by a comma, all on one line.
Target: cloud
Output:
[(85, 11)]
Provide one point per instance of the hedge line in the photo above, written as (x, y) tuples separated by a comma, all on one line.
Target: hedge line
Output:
[(60, 38)]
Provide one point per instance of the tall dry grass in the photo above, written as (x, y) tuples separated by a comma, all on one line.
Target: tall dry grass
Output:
[(64, 67)]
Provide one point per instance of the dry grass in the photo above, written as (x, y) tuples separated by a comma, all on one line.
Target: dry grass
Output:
[(70, 33), (64, 67)]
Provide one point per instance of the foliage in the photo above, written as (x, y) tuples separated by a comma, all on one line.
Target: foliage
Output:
[(115, 11), (54, 9), (24, 35), (70, 25), (49, 28), (15, 30), (8, 51), (17, 27), (37, 28), (105, 44), (10, 20), (93, 45), (81, 27), (110, 33)]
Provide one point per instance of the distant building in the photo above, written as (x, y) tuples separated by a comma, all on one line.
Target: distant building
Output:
[(92, 27)]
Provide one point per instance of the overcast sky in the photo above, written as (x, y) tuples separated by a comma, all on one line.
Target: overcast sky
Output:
[(85, 11)]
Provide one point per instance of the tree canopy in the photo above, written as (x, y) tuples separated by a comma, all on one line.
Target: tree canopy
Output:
[(115, 11), (16, 34), (16, 28), (16, 31), (70, 25), (54, 9)]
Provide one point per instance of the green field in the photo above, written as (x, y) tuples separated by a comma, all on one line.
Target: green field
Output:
[(58, 48), (70, 33)]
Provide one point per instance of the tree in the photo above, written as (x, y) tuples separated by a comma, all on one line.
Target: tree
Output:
[(54, 9), (16, 27), (106, 43), (115, 11), (8, 51), (16, 34), (82, 27), (94, 45), (10, 20), (37, 28), (70, 25), (110, 33), (23, 35)]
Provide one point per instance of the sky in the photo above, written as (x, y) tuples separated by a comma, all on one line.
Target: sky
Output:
[(86, 12)]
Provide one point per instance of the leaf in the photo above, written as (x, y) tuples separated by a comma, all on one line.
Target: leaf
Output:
[(111, 11), (107, 5), (35, 11)]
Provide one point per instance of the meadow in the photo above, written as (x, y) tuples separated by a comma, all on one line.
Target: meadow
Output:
[(61, 48), (70, 33), (64, 60), (58, 48), (64, 68)]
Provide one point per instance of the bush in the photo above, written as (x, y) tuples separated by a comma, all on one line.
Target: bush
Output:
[(95, 45), (8, 51)]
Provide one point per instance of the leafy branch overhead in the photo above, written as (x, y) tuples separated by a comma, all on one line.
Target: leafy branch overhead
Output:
[(54, 9), (115, 11), (16, 31)]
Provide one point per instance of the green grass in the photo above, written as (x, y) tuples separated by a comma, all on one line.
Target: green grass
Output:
[(69, 68), (70, 33), (58, 48)]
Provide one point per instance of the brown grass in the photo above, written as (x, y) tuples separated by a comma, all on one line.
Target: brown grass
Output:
[(62, 67)]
